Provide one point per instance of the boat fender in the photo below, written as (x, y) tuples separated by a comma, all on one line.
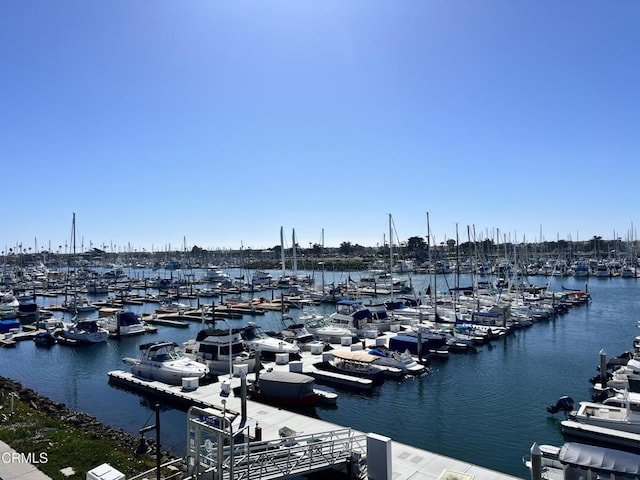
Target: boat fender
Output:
[(564, 404)]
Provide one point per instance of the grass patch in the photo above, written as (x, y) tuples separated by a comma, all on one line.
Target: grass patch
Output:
[(53, 444)]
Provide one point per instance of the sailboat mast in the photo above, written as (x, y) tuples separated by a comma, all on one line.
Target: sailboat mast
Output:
[(432, 269), (295, 258), (391, 255), (282, 249)]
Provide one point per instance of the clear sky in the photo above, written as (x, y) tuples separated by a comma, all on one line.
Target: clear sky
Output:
[(214, 123)]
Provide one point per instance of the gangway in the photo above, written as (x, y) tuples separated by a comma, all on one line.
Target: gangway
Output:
[(216, 451)]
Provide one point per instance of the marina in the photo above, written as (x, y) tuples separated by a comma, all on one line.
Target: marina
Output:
[(525, 365)]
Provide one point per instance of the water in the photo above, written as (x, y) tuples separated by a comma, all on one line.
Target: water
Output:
[(485, 408)]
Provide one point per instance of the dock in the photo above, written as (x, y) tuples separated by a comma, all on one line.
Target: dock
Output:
[(407, 462)]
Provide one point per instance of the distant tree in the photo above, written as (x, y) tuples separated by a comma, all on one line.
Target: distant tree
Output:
[(417, 248), (345, 248)]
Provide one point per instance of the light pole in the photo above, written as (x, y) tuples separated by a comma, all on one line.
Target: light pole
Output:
[(230, 352), (142, 446)]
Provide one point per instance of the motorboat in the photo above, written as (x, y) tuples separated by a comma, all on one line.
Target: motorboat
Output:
[(123, 323), (577, 460), (360, 318), (79, 304), (299, 335), (97, 287), (44, 339), (420, 343), (215, 274), (9, 324), (624, 377), (84, 331), (621, 418), (261, 278), (356, 364), (324, 330), (289, 388), (402, 360), (164, 362), (295, 332), (258, 341), (220, 349), (27, 308), (172, 307)]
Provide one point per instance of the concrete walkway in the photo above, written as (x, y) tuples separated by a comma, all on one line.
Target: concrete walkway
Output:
[(14, 465)]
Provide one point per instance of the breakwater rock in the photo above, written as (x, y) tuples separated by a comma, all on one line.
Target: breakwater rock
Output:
[(82, 421)]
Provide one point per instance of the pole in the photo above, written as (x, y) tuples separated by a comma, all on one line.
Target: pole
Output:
[(157, 441), (536, 462), (603, 369), (230, 353)]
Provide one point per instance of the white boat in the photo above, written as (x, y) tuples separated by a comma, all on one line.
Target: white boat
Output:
[(85, 331), (322, 329), (79, 304), (402, 360), (581, 269), (602, 270), (579, 461), (622, 418), (360, 318), (257, 341), (215, 274), (97, 287), (625, 377), (261, 278), (165, 362), (123, 323), (297, 334), (220, 349), (357, 364)]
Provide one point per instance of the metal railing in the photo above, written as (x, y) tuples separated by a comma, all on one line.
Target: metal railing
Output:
[(290, 456)]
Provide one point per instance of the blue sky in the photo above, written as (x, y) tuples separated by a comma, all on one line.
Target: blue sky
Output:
[(212, 123)]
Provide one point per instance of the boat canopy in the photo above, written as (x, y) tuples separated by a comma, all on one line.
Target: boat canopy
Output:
[(285, 377), (128, 318), (600, 458), (286, 384), (156, 345), (356, 356)]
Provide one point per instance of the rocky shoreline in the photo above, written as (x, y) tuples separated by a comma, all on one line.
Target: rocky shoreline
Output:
[(79, 420)]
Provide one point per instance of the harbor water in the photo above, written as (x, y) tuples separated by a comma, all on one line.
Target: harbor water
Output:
[(485, 408)]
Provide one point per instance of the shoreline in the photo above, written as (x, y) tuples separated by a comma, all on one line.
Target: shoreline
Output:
[(95, 430)]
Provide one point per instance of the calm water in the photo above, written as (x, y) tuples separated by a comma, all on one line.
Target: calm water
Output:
[(486, 408)]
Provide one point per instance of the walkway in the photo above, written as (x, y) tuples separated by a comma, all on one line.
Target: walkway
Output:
[(16, 466)]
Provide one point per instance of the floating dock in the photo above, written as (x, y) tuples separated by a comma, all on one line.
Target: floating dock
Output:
[(407, 462)]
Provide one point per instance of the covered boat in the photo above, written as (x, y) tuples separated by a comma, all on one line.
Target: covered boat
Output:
[(577, 460), (124, 323), (357, 364), (287, 388)]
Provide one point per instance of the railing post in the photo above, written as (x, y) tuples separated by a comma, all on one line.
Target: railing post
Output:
[(536, 462)]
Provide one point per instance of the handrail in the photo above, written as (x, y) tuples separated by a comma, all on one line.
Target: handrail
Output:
[(290, 455)]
